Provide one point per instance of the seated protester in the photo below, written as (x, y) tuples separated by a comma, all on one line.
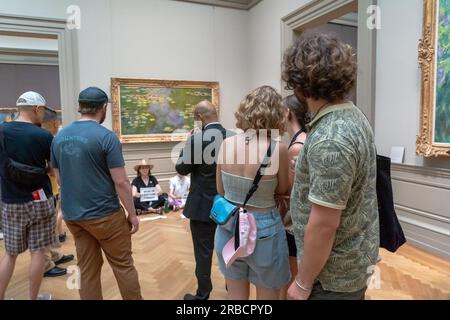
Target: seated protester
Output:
[(143, 180), (179, 188)]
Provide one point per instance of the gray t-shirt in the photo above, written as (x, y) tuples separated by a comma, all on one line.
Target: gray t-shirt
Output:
[(84, 152)]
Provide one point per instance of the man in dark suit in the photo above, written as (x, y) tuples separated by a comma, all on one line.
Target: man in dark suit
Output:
[(198, 158)]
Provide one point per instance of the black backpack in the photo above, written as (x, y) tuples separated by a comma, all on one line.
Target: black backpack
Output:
[(25, 177), (391, 233)]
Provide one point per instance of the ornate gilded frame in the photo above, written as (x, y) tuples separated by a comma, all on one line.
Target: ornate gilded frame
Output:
[(146, 138), (425, 145), (8, 111)]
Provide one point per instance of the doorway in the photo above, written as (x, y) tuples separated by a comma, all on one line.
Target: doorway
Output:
[(347, 20), (43, 44)]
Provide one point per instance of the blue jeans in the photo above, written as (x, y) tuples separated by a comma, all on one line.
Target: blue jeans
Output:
[(268, 266)]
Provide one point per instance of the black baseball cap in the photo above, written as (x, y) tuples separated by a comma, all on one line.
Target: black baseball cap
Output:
[(93, 95)]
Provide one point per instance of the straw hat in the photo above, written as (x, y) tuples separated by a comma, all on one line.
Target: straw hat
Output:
[(143, 163)]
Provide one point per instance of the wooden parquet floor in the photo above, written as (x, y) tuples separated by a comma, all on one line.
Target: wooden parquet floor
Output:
[(163, 255)]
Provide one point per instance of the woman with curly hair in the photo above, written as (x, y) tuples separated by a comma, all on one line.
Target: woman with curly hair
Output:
[(333, 200), (261, 118)]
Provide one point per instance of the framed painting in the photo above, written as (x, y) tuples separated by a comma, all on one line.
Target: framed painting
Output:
[(434, 58), (7, 114), (157, 110)]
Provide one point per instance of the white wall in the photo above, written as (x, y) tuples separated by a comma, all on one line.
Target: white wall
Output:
[(399, 80), (155, 39), (265, 40)]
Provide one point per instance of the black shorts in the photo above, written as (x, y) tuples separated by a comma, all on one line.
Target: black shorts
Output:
[(291, 244)]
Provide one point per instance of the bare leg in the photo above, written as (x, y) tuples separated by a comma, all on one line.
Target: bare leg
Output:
[(238, 290), (59, 223), (36, 272), (7, 264), (267, 294), (294, 270)]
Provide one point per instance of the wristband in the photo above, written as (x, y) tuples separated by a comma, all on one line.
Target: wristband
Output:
[(302, 287)]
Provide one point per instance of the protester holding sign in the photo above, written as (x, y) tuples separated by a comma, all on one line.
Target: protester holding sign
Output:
[(147, 194), (179, 190)]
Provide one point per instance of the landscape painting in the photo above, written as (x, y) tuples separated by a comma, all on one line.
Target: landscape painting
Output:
[(157, 110)]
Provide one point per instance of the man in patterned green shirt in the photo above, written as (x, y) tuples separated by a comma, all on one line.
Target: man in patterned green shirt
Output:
[(333, 202)]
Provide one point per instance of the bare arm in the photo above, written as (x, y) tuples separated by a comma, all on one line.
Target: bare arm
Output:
[(219, 182), (293, 154), (123, 188), (56, 175), (319, 237), (135, 192), (283, 175)]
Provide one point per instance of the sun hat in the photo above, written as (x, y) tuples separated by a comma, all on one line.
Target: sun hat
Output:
[(143, 163)]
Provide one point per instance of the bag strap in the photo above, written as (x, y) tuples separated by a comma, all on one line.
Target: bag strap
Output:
[(2, 139), (264, 164)]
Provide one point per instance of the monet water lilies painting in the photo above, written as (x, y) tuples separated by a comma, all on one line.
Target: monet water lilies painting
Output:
[(434, 57), (442, 113), (157, 110)]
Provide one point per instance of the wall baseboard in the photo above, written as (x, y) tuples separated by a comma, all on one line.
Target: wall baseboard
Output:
[(422, 202)]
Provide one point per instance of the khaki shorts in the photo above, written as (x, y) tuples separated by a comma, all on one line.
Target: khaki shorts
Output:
[(28, 225)]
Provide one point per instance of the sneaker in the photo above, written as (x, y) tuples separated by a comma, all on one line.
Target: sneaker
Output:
[(45, 296)]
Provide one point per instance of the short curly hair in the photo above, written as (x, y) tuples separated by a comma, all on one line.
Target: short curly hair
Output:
[(319, 66), (261, 109)]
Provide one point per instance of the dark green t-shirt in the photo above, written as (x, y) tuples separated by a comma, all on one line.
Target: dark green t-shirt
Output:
[(83, 153)]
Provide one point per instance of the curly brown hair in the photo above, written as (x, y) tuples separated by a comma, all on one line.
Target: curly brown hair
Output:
[(319, 66), (261, 109)]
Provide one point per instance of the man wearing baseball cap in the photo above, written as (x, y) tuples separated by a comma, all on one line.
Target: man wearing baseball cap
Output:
[(29, 218), (88, 160)]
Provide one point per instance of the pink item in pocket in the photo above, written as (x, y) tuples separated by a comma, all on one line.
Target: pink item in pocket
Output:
[(247, 239)]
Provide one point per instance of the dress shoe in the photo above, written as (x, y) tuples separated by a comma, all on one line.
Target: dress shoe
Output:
[(65, 259), (55, 272), (191, 297), (62, 237)]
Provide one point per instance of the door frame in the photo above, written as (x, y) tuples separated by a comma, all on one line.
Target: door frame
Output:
[(67, 54), (318, 12)]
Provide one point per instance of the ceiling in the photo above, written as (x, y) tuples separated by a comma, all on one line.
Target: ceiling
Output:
[(236, 4)]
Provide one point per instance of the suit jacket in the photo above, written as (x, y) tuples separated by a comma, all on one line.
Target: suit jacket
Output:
[(201, 164)]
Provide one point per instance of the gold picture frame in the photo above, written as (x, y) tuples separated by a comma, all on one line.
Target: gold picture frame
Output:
[(150, 110), (8, 114), (429, 142)]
